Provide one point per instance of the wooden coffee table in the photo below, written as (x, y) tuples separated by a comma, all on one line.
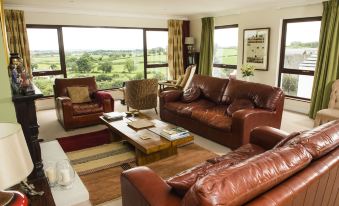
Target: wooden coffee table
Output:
[(149, 150)]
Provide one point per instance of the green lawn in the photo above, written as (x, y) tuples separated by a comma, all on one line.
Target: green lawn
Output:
[(226, 56)]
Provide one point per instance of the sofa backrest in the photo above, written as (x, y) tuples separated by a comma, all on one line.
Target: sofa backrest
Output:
[(212, 88), (320, 140), (317, 185), (263, 96), (60, 85), (246, 180)]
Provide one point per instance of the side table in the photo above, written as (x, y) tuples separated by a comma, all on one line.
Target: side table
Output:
[(78, 194)]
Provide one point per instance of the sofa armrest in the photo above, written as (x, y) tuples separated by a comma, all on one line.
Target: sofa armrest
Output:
[(170, 96), (105, 99), (64, 109), (141, 186), (267, 137), (244, 121)]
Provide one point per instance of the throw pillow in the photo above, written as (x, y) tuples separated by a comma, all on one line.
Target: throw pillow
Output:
[(191, 94), (179, 80), (78, 94), (185, 78), (239, 104)]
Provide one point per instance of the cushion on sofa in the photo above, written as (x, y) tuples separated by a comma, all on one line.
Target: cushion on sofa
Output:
[(242, 182), (263, 96), (87, 108), (320, 140), (186, 109), (212, 88), (214, 117), (79, 94), (183, 181), (239, 104), (191, 94), (288, 138)]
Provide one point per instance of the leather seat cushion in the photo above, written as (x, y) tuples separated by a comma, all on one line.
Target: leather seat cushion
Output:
[(214, 117), (320, 140), (183, 181), (242, 182), (186, 109), (239, 104), (87, 108)]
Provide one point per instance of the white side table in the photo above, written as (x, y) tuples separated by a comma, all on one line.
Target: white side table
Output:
[(78, 194)]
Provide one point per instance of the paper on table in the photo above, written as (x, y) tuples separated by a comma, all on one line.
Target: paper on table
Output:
[(139, 124)]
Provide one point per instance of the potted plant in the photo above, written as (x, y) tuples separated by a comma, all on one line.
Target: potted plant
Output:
[(247, 70)]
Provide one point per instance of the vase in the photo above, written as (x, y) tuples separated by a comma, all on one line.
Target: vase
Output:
[(247, 78)]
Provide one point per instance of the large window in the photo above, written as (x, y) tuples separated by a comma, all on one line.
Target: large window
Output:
[(299, 48), (112, 55), (156, 46), (225, 50)]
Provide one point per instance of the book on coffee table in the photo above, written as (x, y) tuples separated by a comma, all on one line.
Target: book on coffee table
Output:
[(175, 133), (113, 116)]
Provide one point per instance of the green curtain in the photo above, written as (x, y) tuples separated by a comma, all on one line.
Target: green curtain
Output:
[(206, 46), (327, 69)]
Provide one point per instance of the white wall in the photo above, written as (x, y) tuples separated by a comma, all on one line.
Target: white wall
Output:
[(92, 20), (258, 19)]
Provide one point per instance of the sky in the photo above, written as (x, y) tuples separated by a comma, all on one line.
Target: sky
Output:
[(95, 39), (226, 37), (303, 32)]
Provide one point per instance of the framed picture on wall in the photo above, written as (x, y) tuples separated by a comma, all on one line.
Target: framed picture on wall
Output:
[(256, 47)]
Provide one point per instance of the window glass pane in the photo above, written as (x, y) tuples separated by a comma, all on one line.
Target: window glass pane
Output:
[(44, 49), (226, 46), (45, 83), (223, 72), (297, 85), (157, 43), (111, 55), (301, 46), (160, 73)]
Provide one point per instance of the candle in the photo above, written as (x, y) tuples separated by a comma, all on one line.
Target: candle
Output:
[(51, 175), (65, 176)]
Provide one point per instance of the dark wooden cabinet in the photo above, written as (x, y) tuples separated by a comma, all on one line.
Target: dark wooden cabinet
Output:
[(26, 116)]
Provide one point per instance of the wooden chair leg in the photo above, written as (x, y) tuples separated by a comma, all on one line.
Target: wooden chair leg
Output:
[(156, 111), (127, 108)]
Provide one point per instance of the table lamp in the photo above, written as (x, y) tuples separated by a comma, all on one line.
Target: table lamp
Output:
[(189, 41), (16, 163)]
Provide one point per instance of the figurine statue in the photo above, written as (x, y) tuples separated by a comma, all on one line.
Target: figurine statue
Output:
[(20, 79)]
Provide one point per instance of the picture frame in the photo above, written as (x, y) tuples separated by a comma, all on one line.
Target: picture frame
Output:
[(256, 43)]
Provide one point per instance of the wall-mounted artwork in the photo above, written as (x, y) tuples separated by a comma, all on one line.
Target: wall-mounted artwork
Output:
[(256, 47)]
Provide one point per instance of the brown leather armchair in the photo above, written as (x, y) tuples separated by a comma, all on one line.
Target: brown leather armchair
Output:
[(72, 115)]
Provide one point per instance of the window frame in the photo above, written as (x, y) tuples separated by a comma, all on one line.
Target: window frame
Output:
[(146, 65), (63, 70), (282, 69), (227, 66)]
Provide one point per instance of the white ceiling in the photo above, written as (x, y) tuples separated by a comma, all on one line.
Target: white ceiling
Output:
[(153, 8)]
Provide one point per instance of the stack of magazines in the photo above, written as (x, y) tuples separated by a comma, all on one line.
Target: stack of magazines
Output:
[(113, 116), (175, 133)]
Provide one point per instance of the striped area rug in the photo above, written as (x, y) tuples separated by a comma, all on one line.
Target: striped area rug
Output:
[(93, 159)]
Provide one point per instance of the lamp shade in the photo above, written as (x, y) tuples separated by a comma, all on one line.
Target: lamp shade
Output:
[(15, 161), (189, 40)]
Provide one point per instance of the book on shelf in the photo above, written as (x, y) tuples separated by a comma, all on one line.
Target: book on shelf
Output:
[(113, 116), (175, 133)]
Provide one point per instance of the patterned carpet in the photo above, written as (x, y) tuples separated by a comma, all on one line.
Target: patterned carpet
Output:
[(104, 185)]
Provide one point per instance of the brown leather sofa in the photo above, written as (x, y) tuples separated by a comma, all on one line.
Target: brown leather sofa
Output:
[(72, 115), (207, 116), (296, 169)]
